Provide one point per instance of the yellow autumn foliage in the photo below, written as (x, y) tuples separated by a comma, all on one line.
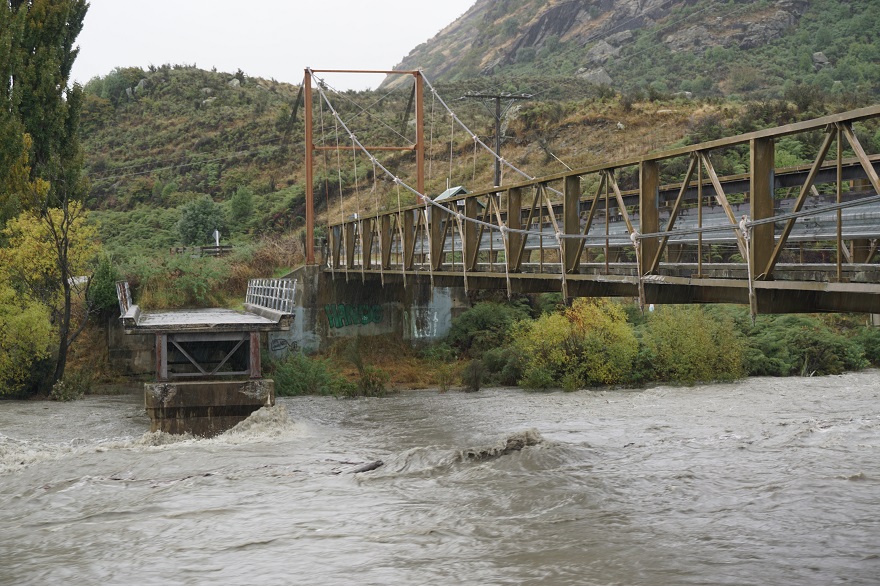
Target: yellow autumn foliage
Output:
[(30, 287), (25, 337), (30, 261), (591, 343)]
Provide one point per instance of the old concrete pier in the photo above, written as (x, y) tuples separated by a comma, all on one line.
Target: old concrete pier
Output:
[(207, 361)]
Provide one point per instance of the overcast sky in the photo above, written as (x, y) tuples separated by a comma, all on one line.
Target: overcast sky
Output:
[(268, 38)]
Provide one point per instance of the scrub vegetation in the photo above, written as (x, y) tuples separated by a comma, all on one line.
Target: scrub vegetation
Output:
[(535, 342)]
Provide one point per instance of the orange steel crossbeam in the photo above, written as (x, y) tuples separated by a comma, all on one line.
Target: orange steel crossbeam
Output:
[(310, 147)]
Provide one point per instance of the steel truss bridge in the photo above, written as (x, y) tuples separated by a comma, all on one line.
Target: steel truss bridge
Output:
[(800, 239)]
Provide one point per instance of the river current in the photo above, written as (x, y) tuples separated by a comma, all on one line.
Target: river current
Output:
[(764, 481)]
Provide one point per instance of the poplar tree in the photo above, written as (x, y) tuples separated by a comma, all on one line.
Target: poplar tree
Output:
[(39, 127)]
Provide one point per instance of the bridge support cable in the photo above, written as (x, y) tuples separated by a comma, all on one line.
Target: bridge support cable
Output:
[(495, 202), (419, 194), (400, 227), (745, 229)]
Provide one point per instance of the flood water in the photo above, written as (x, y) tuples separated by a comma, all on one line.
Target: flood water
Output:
[(766, 481)]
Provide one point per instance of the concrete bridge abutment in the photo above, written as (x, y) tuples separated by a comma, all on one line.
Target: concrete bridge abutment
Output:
[(327, 309)]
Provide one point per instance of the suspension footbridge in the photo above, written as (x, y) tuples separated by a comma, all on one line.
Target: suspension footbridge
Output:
[(779, 239)]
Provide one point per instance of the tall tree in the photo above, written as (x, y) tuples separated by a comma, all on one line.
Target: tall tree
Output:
[(44, 109)]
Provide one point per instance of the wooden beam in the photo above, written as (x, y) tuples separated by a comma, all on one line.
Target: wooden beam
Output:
[(763, 166), (649, 211), (673, 215), (805, 189), (514, 222), (571, 221)]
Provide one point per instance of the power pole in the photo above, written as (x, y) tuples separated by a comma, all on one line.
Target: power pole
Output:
[(498, 113)]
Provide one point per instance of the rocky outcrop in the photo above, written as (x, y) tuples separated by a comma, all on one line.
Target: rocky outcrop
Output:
[(601, 52), (495, 34), (596, 76), (820, 61), (739, 27)]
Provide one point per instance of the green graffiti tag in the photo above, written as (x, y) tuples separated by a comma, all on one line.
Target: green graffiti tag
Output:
[(341, 315)]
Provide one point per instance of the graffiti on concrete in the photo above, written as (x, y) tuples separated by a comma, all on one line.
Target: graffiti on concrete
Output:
[(280, 344), (341, 315), (423, 324)]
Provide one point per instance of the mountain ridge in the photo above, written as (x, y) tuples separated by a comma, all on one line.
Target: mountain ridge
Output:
[(706, 47)]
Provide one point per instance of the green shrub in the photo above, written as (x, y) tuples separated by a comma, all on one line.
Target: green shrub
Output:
[(75, 386), (439, 352), (802, 345), (102, 290), (297, 374), (198, 220), (472, 376), (445, 375), (590, 344), (372, 381), (689, 344), (179, 280), (869, 339), (484, 326), (503, 366)]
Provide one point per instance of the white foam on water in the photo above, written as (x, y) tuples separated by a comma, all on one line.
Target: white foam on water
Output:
[(268, 424)]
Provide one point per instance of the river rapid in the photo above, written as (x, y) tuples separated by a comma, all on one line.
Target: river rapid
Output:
[(764, 481)]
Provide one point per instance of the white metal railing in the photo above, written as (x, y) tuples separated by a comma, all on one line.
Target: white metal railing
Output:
[(123, 293), (277, 294)]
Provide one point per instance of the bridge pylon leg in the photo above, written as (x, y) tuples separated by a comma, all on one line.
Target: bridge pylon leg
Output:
[(761, 190), (571, 222), (649, 211)]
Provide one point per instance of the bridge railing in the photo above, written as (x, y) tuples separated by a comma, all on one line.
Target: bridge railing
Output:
[(666, 213), (275, 294)]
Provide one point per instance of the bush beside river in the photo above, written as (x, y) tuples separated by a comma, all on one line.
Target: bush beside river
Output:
[(540, 343)]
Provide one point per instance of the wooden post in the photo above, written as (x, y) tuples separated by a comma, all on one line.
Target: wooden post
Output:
[(649, 212), (162, 357), (409, 239), (254, 366), (367, 243), (349, 244), (571, 221), (761, 185), (470, 246), (514, 222)]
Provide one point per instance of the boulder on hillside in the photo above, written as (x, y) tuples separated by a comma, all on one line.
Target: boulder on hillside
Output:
[(820, 61), (597, 76), (601, 52), (618, 39), (233, 82)]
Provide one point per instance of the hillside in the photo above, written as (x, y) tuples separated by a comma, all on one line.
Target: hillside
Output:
[(157, 140), (762, 49), (668, 71)]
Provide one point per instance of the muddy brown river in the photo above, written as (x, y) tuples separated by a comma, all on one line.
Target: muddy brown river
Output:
[(765, 481)]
